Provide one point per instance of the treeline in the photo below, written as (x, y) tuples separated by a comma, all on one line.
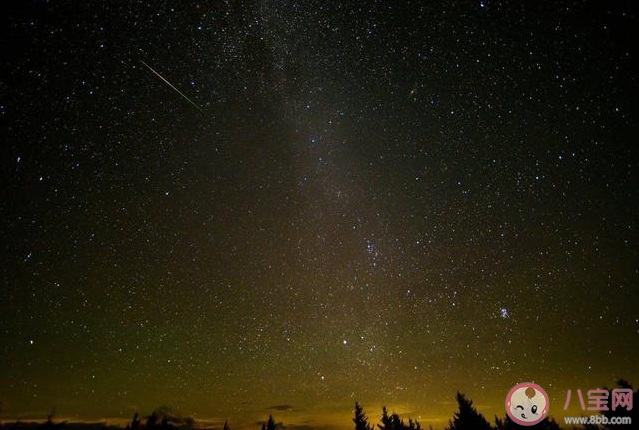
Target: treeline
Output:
[(468, 418), (465, 418)]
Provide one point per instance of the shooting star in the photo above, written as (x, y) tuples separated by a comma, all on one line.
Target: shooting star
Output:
[(171, 85)]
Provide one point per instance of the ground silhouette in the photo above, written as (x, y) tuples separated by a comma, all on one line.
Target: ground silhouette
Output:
[(465, 418)]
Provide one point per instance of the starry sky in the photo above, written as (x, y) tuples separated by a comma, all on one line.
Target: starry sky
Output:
[(383, 201)]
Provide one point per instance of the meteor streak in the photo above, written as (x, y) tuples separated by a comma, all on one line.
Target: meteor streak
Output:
[(171, 85)]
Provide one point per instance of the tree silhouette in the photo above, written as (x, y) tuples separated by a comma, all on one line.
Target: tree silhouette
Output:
[(548, 424), (386, 420), (414, 425), (505, 424), (270, 424), (620, 410), (165, 423), (508, 424), (590, 427), (467, 418), (394, 422), (152, 420), (135, 423), (50, 417), (50, 424), (360, 420)]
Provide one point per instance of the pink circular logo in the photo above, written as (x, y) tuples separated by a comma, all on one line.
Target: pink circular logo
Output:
[(527, 404)]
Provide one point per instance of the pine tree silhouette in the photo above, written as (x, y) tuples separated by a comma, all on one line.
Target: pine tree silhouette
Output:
[(50, 424), (397, 422), (270, 425), (467, 418), (506, 424), (135, 423), (548, 424), (621, 411), (151, 421), (360, 420), (590, 427), (414, 425), (387, 423), (165, 424)]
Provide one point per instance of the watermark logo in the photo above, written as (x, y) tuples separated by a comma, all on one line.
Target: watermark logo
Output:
[(599, 399), (527, 404)]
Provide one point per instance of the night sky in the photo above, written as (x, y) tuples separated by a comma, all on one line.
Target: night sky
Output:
[(379, 201)]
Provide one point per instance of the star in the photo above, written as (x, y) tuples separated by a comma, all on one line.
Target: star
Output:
[(504, 313)]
